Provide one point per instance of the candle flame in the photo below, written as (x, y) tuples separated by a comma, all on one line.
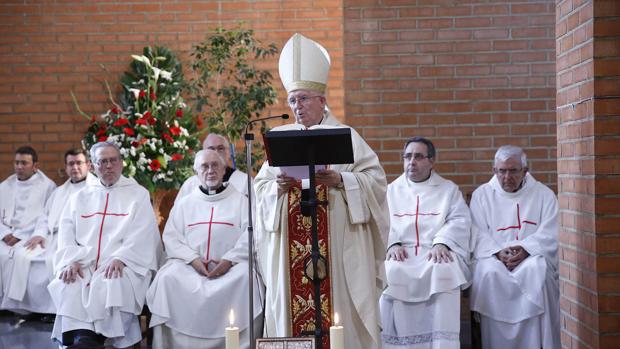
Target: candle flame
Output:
[(231, 318), (336, 319)]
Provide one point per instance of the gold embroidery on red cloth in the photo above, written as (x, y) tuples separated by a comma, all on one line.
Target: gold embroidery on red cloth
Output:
[(302, 305)]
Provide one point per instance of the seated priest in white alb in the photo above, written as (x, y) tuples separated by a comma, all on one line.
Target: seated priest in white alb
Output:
[(427, 261), (77, 167), (22, 203), (206, 274), (237, 178), (515, 284), (106, 254)]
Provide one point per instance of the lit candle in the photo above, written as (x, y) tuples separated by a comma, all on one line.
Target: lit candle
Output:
[(336, 335), (232, 333)]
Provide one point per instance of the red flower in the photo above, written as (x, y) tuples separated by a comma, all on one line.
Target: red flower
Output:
[(179, 113), (141, 94), (102, 139), (115, 110), (175, 130), (136, 144), (176, 157), (129, 131), (93, 118), (155, 165), (141, 121), (152, 95), (168, 138), (101, 131), (120, 122)]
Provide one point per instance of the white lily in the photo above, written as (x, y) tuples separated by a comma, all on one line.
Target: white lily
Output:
[(166, 75), (142, 59), (135, 91), (156, 72)]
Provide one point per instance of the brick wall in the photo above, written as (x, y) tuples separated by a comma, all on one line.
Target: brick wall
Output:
[(49, 48), (588, 110), (470, 75)]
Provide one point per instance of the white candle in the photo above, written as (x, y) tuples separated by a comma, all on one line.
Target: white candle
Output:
[(336, 335), (232, 333)]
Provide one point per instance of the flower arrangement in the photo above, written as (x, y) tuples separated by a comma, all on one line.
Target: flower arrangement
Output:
[(152, 125)]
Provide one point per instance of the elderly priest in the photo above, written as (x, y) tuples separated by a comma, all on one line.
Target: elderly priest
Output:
[(515, 285), (106, 254), (206, 272)]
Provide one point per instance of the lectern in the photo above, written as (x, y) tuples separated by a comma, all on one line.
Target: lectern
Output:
[(309, 148)]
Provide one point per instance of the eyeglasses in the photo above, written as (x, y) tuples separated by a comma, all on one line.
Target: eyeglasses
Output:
[(219, 148), (415, 156), (211, 165), (77, 162), (112, 161), (302, 100), (508, 171)]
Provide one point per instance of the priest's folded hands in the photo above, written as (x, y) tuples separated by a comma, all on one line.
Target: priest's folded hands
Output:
[(10, 240), (211, 268)]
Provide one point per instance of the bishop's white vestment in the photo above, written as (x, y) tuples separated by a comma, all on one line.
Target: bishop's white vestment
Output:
[(238, 179), (98, 225), (188, 309), (22, 203), (418, 306), (518, 309), (357, 225)]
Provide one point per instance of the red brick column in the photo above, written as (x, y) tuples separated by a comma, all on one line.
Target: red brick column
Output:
[(588, 112)]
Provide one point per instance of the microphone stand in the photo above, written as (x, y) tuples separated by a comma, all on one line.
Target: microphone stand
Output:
[(249, 137)]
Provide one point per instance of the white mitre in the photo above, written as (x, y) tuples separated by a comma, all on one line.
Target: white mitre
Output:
[(304, 64)]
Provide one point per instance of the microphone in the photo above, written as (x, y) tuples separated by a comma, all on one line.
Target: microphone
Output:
[(282, 116)]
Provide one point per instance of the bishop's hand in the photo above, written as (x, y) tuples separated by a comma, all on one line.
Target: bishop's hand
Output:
[(70, 274), (284, 183), (329, 178)]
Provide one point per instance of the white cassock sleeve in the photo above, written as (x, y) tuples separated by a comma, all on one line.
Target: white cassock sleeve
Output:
[(239, 253), (485, 245), (174, 238), (456, 231), (544, 241), (140, 242)]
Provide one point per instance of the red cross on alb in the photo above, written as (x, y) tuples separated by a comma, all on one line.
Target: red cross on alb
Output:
[(417, 215), (210, 223), (103, 215), (518, 226)]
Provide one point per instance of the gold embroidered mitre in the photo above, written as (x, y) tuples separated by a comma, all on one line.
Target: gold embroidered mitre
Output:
[(304, 65)]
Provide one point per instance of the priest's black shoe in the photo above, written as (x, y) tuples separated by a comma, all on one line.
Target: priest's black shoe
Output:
[(83, 339)]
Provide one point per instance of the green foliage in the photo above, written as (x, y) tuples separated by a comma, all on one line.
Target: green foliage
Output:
[(228, 86), (152, 125)]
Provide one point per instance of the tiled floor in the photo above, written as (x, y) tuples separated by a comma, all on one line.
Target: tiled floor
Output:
[(19, 334), (16, 334)]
